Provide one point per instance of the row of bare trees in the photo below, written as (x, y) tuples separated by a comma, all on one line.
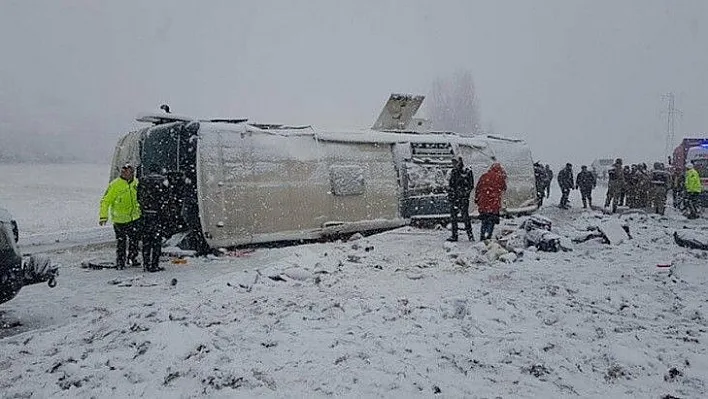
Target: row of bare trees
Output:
[(453, 105)]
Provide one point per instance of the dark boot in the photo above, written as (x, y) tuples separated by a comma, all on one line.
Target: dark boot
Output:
[(452, 239)]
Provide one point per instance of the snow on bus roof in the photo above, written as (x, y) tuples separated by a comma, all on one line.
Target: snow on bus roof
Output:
[(280, 130), (389, 137), (161, 118), (351, 136)]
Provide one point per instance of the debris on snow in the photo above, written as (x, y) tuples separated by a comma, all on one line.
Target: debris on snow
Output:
[(178, 252), (615, 232), (97, 264), (691, 239), (298, 273)]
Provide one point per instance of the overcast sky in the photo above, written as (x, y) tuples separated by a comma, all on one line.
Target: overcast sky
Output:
[(577, 79)]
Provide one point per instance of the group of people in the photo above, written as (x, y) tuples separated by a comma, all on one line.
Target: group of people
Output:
[(488, 195), (634, 186), (135, 211), (585, 181)]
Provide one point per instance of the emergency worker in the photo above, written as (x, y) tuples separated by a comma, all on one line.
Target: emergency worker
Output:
[(120, 200), (694, 188)]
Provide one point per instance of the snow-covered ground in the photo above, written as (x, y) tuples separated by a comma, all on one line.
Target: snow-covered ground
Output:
[(399, 314)]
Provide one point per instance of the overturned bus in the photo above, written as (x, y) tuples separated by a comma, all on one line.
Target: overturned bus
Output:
[(230, 182)]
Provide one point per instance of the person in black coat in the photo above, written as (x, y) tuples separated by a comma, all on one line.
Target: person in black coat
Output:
[(541, 177), (151, 197), (586, 182), (459, 189), (565, 181), (549, 180)]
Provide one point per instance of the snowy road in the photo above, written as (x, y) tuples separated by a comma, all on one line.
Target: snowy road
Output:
[(399, 314)]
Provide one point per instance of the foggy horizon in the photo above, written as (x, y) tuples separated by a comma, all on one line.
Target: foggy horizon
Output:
[(578, 80)]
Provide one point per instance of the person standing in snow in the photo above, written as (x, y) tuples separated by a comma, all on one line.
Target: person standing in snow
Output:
[(627, 174), (120, 199), (549, 179), (660, 184), (565, 181), (459, 189), (677, 183), (586, 182), (540, 175), (694, 187), (644, 186), (615, 185), (488, 197), (151, 197)]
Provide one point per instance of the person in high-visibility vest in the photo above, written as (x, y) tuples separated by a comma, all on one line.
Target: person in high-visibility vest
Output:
[(121, 199), (694, 187)]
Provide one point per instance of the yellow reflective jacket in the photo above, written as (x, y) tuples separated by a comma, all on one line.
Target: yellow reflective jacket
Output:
[(693, 181), (121, 198)]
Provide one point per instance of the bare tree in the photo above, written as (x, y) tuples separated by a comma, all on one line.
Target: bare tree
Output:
[(453, 104)]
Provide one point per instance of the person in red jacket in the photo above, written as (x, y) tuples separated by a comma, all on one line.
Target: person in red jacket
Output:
[(488, 197)]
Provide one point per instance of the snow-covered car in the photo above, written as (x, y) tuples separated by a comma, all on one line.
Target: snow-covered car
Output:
[(16, 272)]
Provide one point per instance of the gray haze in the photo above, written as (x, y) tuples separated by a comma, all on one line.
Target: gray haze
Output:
[(576, 79)]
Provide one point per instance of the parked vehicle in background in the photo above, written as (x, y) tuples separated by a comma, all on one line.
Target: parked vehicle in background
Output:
[(600, 167)]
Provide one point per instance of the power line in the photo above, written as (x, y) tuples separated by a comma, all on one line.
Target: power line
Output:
[(672, 115)]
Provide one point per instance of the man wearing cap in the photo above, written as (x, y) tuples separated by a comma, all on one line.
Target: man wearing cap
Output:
[(121, 200)]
